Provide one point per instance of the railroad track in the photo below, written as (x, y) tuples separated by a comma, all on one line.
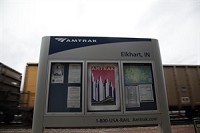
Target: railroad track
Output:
[(14, 125), (181, 121)]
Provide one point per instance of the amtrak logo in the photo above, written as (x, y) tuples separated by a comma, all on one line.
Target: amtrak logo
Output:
[(75, 40), (60, 39)]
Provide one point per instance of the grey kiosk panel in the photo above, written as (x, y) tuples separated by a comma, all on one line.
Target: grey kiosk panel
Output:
[(100, 82)]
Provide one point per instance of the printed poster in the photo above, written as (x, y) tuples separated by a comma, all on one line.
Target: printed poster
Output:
[(57, 73), (73, 97), (103, 87), (137, 74), (74, 73), (132, 96), (146, 93)]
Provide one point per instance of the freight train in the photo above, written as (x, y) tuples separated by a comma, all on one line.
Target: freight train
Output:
[(183, 88), (10, 81), (182, 85)]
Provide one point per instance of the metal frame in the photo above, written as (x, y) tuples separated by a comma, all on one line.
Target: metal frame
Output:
[(155, 87), (47, 90), (86, 86)]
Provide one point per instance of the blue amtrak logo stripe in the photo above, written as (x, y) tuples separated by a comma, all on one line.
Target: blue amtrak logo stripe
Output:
[(63, 43)]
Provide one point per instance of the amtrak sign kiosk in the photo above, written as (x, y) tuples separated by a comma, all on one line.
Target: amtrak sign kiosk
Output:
[(100, 82)]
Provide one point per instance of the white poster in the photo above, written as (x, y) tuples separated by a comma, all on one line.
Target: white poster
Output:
[(146, 93), (57, 74), (132, 96), (73, 97), (74, 73)]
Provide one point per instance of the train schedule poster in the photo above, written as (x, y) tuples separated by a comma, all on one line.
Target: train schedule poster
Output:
[(139, 87), (103, 87), (74, 75)]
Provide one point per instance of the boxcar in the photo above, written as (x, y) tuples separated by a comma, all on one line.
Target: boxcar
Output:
[(10, 81), (183, 88), (28, 94)]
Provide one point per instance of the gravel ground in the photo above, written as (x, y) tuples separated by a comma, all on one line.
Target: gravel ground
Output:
[(175, 129)]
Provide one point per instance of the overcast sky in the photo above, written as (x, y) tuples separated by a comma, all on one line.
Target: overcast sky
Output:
[(175, 23)]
